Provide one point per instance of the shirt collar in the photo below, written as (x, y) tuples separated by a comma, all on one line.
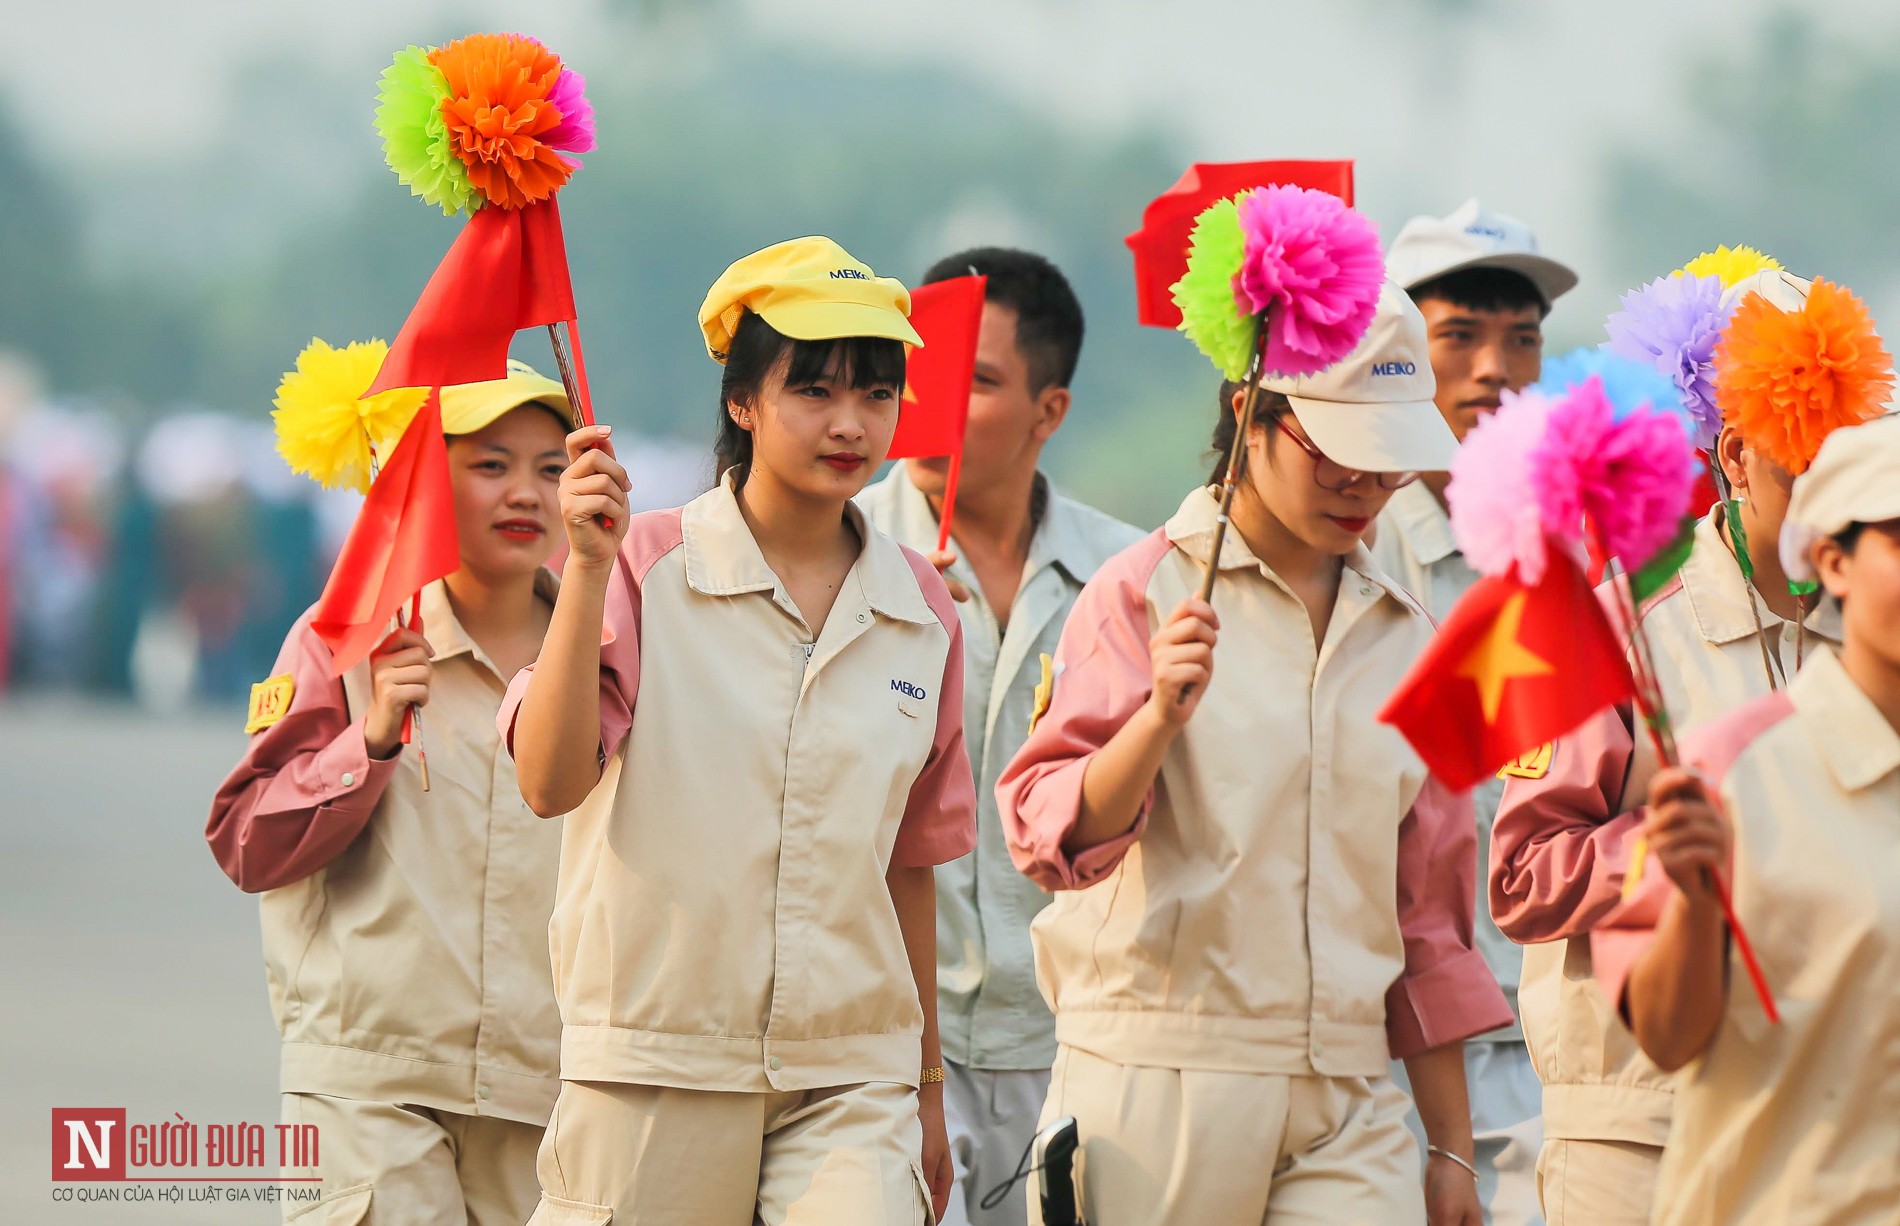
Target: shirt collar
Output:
[(1725, 604), (1861, 748), (1415, 512), (1059, 537), (1191, 529), (444, 630), (723, 559)]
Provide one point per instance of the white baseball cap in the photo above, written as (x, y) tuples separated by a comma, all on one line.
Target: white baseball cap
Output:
[(1850, 482), (1780, 287), (1373, 409), (1474, 237)]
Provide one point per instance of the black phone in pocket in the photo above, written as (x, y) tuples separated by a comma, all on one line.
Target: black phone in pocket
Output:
[(1052, 1156)]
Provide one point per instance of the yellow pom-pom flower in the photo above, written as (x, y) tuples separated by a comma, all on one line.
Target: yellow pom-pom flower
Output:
[(324, 429), (1731, 264)]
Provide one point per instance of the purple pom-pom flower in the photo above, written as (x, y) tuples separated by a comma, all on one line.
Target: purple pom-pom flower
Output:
[(1672, 325)]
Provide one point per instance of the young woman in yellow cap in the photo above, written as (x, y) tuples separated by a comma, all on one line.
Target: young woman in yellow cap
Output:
[(753, 704), (1265, 897), (1796, 799), (404, 931)]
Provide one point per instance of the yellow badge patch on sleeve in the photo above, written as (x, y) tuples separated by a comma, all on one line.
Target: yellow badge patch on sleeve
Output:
[(270, 702), (1532, 765), (1639, 854), (1045, 691)]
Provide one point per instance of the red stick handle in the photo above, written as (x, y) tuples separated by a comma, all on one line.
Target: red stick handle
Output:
[(1747, 950), (1649, 706), (949, 501), (408, 736)]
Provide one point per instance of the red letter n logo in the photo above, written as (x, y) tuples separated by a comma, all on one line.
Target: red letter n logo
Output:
[(88, 1143)]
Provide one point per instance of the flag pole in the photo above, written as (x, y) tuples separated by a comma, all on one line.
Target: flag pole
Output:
[(411, 716), (1655, 716), (573, 369), (1243, 421), (949, 500), (578, 410)]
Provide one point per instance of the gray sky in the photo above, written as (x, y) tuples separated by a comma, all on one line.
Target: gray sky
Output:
[(1511, 100)]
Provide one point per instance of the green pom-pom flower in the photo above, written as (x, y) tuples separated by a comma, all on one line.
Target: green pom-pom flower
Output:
[(416, 137), (1210, 314)]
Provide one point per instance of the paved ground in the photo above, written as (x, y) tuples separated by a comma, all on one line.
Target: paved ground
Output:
[(130, 970)]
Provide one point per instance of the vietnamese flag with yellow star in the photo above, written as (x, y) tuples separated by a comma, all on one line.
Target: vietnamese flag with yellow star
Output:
[(1514, 667)]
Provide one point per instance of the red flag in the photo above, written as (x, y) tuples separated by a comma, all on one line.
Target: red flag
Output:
[(1161, 245), (403, 539), (1512, 668), (506, 271), (948, 315)]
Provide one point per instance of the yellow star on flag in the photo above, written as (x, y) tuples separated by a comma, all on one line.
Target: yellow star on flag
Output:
[(1499, 658)]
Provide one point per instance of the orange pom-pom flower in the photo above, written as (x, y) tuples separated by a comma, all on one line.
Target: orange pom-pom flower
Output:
[(1787, 379), (499, 116)]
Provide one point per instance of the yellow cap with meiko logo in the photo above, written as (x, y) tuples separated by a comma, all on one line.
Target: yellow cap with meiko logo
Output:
[(810, 289), (468, 407)]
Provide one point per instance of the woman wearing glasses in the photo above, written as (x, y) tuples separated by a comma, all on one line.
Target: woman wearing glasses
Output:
[(1267, 895)]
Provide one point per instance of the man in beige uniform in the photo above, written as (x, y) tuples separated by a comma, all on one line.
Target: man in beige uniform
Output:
[(1026, 550), (405, 932), (1484, 291), (1795, 1121), (1560, 847)]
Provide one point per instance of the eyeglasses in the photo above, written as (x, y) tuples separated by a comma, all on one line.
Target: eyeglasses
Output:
[(1332, 475)]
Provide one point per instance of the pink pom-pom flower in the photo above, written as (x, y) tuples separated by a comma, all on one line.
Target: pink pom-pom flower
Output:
[(1630, 477), (1315, 264), (1496, 516)]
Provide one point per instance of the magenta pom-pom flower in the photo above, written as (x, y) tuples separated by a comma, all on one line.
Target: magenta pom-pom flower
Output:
[(1314, 265), (575, 132), (1546, 468), (1629, 477)]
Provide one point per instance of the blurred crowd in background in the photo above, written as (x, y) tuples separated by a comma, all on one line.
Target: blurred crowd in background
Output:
[(159, 557)]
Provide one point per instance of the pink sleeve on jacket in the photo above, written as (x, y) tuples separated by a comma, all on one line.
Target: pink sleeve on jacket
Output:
[(1103, 677), (651, 535), (1559, 848), (306, 785), (939, 822), (1446, 992), (1627, 930)]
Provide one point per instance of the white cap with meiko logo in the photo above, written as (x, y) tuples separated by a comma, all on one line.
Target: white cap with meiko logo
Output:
[(1474, 237), (1373, 409)]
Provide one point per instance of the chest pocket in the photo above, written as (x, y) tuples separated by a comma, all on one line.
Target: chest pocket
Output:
[(873, 708)]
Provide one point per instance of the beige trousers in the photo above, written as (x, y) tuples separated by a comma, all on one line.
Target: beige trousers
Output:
[(1184, 1147), (635, 1155), (1597, 1183), (386, 1164)]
